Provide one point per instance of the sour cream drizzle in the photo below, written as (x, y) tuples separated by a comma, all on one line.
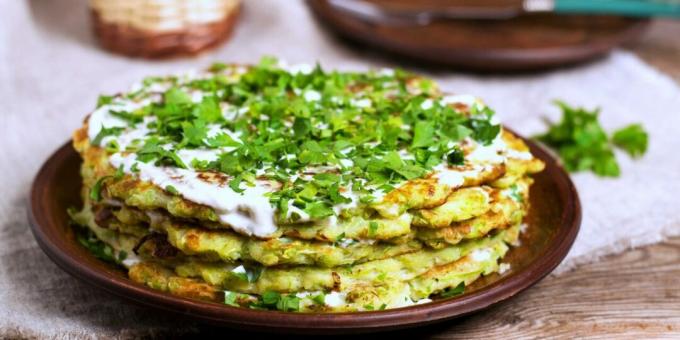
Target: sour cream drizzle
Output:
[(250, 212)]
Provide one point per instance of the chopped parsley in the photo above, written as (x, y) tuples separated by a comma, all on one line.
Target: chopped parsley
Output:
[(230, 299), (583, 145), (171, 189), (319, 299), (96, 190), (119, 173), (277, 301), (516, 194), (456, 156), (98, 248), (372, 228), (104, 132), (248, 274), (104, 100), (451, 292), (135, 167), (320, 134), (632, 139)]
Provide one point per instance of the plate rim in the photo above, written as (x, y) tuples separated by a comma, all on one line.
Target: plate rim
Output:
[(475, 59), (317, 323)]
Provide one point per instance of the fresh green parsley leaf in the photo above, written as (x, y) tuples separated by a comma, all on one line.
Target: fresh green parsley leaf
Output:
[(193, 133), (122, 255), (456, 157), (340, 237), (235, 184), (423, 134), (217, 67), (171, 189), (318, 210), (247, 274), (176, 96), (319, 299), (288, 303), (515, 194), (95, 246), (119, 172), (301, 127), (457, 290), (104, 132), (230, 299), (96, 190), (267, 62), (582, 143), (632, 138), (274, 300), (483, 131), (222, 140), (130, 117), (208, 110), (372, 228), (270, 298), (152, 150), (104, 100), (112, 146)]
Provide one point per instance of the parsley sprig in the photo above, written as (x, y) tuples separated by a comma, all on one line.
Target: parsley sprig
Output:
[(583, 144)]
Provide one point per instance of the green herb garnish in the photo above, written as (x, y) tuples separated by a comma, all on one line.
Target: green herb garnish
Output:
[(319, 299), (103, 132), (277, 125), (248, 274), (456, 157), (274, 300), (171, 189), (230, 299), (583, 145), (95, 246), (372, 228), (457, 290), (96, 190), (104, 100), (119, 172), (632, 138), (516, 194)]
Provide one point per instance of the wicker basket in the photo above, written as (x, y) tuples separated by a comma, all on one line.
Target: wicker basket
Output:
[(162, 28)]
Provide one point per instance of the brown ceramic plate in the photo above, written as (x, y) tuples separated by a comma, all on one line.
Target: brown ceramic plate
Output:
[(523, 43), (553, 224)]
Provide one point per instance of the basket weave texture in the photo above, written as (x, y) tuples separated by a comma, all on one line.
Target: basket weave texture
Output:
[(161, 28)]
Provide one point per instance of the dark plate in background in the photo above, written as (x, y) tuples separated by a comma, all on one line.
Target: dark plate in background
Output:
[(553, 223), (525, 43)]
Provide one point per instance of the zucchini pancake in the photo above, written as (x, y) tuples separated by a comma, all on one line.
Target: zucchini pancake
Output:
[(297, 189)]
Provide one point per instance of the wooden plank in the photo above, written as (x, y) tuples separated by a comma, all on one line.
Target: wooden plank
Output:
[(635, 294)]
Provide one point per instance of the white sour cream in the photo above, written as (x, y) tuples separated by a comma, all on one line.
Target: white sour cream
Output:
[(249, 212)]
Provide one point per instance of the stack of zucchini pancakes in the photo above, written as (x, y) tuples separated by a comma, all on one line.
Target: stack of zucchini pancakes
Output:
[(297, 189)]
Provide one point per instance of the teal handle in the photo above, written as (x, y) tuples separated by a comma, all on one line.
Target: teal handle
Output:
[(636, 8)]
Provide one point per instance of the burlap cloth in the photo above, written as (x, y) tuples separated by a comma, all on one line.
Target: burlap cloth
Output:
[(51, 73)]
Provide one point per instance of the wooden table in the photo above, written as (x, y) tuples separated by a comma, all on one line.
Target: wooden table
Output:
[(632, 295)]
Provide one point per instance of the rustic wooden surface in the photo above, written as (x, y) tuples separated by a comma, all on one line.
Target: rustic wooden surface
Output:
[(632, 295)]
